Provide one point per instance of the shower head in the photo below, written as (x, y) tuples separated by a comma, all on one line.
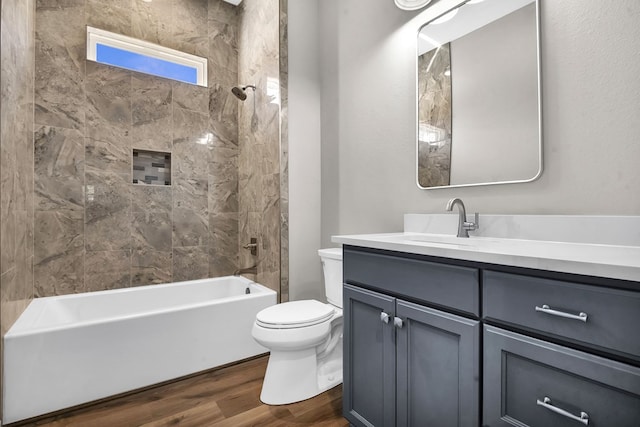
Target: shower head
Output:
[(240, 92)]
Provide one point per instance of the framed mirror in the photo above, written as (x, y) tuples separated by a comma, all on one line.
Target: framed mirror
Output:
[(478, 94)]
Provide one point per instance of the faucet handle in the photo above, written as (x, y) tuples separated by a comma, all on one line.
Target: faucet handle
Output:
[(473, 225)]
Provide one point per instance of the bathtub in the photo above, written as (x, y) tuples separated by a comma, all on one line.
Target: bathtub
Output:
[(68, 350)]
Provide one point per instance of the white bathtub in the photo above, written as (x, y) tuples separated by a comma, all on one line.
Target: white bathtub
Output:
[(73, 349)]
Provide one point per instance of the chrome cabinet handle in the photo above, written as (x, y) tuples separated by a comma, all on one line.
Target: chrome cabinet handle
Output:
[(384, 317), (397, 322), (546, 403), (582, 316)]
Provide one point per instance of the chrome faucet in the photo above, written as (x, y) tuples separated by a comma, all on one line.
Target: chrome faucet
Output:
[(248, 270), (463, 225)]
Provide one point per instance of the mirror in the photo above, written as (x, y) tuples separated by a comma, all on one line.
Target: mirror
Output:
[(479, 96)]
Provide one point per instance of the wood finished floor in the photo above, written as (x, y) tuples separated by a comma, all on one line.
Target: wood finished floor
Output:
[(225, 397)]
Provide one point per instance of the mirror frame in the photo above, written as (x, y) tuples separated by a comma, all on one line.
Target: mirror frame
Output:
[(540, 139)]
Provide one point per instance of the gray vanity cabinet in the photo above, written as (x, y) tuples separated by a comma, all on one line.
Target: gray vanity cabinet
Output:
[(531, 382), (556, 349), (437, 368), (406, 364), (369, 387)]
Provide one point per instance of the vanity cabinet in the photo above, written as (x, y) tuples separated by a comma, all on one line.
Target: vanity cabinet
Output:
[(556, 349), (530, 381), (407, 364)]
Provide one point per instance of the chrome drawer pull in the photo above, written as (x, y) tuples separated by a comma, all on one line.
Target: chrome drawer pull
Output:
[(384, 317), (546, 403), (582, 316)]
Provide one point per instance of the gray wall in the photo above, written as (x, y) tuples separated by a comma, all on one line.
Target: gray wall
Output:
[(590, 95), (304, 151), (495, 101)]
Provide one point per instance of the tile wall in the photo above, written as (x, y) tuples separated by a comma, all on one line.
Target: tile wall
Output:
[(96, 230), (284, 152), (259, 157), (16, 161)]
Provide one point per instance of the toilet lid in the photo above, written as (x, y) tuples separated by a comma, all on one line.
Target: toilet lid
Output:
[(295, 314)]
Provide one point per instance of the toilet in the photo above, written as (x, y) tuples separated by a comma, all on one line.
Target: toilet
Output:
[(305, 340)]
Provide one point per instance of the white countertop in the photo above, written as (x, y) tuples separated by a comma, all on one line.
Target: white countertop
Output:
[(601, 260)]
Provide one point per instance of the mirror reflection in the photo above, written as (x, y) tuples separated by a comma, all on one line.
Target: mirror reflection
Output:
[(478, 96)]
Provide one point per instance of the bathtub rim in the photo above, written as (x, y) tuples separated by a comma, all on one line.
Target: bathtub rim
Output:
[(12, 333)]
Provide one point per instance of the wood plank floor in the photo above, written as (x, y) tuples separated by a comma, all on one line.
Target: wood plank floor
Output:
[(224, 397)]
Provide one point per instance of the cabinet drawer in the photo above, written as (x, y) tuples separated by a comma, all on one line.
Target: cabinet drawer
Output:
[(529, 382), (612, 315), (434, 283)]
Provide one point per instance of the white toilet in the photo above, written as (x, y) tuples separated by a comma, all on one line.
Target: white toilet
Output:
[(305, 340)]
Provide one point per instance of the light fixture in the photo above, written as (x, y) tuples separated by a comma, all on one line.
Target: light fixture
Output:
[(412, 4), (474, 1), (444, 18)]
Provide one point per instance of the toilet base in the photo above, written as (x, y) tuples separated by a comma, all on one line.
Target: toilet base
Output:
[(293, 376)]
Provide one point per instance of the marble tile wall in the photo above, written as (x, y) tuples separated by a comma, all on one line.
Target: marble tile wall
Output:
[(95, 229), (16, 160), (259, 159), (284, 152)]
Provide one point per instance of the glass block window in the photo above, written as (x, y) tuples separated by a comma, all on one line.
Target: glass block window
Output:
[(151, 167), (149, 58)]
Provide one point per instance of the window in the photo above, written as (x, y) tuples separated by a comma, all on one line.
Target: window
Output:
[(149, 58)]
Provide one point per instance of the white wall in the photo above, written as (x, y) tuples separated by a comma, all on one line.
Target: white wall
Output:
[(305, 270), (591, 101)]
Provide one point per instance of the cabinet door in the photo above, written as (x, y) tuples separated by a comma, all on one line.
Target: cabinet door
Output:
[(530, 382), (438, 368), (369, 393)]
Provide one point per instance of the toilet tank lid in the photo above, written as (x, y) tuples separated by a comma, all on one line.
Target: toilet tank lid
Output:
[(333, 253)]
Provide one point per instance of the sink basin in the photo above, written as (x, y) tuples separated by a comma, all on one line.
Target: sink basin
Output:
[(447, 239), (440, 239)]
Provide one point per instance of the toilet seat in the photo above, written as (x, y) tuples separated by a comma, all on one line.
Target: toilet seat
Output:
[(295, 314)]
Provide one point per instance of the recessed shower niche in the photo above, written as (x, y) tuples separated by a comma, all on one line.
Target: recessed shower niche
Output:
[(151, 167)]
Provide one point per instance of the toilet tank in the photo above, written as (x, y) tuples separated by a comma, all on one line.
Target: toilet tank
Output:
[(332, 268)]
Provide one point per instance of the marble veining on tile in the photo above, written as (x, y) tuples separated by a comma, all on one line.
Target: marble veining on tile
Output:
[(191, 97), (59, 58), (190, 263), (223, 247), (191, 193), (59, 168), (223, 110), (108, 102), (151, 230), (189, 27), (190, 228), (151, 112), (107, 211), (151, 199), (113, 15), (59, 253), (107, 270), (190, 144), (150, 267)]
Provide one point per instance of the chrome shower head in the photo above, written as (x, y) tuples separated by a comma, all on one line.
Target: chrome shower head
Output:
[(240, 92)]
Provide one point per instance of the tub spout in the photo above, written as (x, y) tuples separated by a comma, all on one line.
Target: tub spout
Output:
[(249, 270)]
